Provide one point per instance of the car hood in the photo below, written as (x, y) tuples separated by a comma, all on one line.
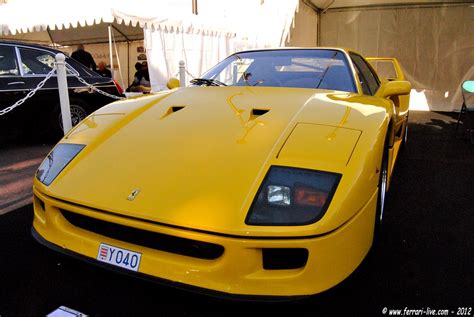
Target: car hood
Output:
[(194, 157)]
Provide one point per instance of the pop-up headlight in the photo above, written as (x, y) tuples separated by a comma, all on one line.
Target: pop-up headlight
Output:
[(56, 161), (292, 196)]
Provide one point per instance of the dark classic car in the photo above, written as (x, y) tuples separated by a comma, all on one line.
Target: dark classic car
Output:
[(22, 68)]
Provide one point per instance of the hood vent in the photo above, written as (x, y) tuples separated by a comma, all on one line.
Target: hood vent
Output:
[(255, 113), (171, 110)]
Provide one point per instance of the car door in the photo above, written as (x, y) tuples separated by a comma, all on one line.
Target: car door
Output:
[(371, 82), (12, 89), (35, 65), (390, 69)]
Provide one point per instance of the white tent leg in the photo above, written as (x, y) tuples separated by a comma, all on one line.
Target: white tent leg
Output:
[(110, 52), (118, 62)]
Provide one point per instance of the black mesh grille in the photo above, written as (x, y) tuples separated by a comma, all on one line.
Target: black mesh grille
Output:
[(149, 239)]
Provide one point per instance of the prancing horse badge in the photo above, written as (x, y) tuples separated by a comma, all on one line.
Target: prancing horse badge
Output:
[(133, 194)]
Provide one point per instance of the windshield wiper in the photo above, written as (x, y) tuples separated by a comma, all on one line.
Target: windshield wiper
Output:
[(207, 82), (326, 70)]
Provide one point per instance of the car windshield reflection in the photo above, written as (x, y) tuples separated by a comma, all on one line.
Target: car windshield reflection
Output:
[(305, 68)]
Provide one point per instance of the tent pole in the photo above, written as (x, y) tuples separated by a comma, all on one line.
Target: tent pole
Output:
[(121, 33), (50, 36), (118, 61), (110, 52), (318, 11), (128, 63)]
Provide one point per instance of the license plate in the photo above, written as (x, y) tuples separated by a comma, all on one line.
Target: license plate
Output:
[(119, 257)]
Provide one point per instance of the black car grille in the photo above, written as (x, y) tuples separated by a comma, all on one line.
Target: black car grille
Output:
[(149, 239)]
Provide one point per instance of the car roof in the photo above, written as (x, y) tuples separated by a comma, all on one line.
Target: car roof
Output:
[(30, 45), (296, 49)]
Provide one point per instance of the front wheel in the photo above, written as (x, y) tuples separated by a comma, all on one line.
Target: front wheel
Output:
[(78, 113)]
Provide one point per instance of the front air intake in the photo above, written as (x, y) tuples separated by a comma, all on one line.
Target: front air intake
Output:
[(284, 259), (149, 239)]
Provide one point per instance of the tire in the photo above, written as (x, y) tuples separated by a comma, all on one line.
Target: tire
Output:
[(78, 113), (382, 192)]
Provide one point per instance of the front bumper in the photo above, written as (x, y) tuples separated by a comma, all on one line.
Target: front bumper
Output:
[(238, 271)]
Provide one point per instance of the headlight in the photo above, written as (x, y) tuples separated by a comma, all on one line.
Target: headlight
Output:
[(56, 161), (292, 196)]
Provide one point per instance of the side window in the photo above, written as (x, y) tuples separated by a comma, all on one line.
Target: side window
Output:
[(8, 62), (36, 62), (385, 69), (369, 80)]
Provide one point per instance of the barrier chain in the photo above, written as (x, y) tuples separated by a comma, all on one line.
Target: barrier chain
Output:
[(30, 94), (189, 74), (41, 84), (98, 90)]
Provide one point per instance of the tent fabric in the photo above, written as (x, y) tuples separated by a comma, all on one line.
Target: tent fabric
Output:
[(254, 24), (54, 15), (433, 44), (97, 33), (186, 23), (173, 33), (165, 49), (264, 24), (51, 14)]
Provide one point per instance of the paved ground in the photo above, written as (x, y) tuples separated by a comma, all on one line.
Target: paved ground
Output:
[(17, 167), (424, 260)]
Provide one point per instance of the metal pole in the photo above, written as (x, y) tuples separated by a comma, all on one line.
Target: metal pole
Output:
[(63, 92), (128, 64), (110, 52), (182, 74)]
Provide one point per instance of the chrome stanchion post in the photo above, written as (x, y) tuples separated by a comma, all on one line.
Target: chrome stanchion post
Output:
[(63, 92), (182, 74)]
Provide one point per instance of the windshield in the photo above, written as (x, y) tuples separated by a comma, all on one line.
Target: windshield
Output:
[(323, 69)]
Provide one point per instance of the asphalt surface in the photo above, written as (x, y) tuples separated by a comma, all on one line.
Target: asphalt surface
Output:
[(18, 164), (424, 258)]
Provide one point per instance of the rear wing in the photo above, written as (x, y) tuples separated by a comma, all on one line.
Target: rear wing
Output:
[(387, 68)]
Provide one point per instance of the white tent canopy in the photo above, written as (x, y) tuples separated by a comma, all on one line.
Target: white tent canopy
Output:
[(201, 45), (54, 20), (89, 34)]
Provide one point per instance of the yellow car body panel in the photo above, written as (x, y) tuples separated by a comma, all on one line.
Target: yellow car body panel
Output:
[(219, 171), (239, 271), (338, 142), (194, 159)]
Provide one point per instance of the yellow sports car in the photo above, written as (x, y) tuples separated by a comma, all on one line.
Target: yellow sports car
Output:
[(265, 177)]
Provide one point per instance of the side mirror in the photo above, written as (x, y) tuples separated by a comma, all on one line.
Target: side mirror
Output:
[(172, 83), (394, 88)]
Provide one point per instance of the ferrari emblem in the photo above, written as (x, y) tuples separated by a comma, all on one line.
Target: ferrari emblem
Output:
[(133, 194)]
